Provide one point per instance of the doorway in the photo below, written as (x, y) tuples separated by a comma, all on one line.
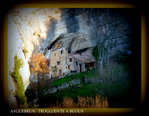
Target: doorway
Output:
[(60, 73), (80, 68)]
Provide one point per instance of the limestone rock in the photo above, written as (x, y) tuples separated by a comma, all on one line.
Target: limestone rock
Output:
[(27, 27), (51, 90), (63, 86), (75, 82)]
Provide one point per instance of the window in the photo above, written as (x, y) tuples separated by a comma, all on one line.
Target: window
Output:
[(92, 64), (76, 63), (86, 66), (58, 63), (62, 51), (68, 67), (55, 54), (70, 59)]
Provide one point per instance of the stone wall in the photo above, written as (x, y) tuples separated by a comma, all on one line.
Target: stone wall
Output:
[(59, 55)]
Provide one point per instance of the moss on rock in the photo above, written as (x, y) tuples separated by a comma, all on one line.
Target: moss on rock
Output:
[(20, 96)]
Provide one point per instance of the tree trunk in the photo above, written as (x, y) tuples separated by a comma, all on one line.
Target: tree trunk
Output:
[(107, 58), (100, 61), (101, 66)]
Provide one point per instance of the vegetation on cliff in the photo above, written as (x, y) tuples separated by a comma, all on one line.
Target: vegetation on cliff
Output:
[(39, 64), (20, 96)]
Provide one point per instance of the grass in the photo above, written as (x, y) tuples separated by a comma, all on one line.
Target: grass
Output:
[(20, 96), (118, 90), (83, 102), (84, 91), (89, 89), (110, 89), (88, 74), (114, 84)]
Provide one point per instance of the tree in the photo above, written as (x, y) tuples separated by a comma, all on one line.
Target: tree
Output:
[(39, 64)]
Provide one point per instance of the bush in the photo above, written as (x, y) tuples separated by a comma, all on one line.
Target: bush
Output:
[(39, 64), (91, 73), (95, 52), (20, 96), (114, 71), (83, 102)]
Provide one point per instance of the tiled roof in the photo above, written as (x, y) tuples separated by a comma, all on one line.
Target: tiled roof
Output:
[(84, 57)]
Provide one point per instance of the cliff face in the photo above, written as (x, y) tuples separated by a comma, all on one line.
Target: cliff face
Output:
[(85, 28), (78, 29), (27, 28)]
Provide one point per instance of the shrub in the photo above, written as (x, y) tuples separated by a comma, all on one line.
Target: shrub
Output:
[(84, 102), (95, 52), (114, 71), (89, 74), (20, 96), (39, 64), (54, 70), (68, 102)]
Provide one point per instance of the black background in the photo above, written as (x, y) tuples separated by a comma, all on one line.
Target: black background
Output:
[(141, 5)]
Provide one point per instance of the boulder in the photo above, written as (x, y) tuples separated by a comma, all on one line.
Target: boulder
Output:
[(51, 90), (74, 82), (63, 86)]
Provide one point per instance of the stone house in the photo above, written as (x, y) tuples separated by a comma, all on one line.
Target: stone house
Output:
[(80, 62), (63, 63), (58, 62), (74, 64)]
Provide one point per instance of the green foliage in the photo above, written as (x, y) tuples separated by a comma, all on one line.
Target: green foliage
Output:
[(122, 57), (29, 22), (18, 63), (34, 33), (54, 69), (95, 52), (114, 84), (112, 89), (116, 89), (84, 91), (38, 35), (60, 81), (33, 12), (25, 50)]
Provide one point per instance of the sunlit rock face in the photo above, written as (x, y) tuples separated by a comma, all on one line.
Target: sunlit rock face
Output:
[(27, 29)]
